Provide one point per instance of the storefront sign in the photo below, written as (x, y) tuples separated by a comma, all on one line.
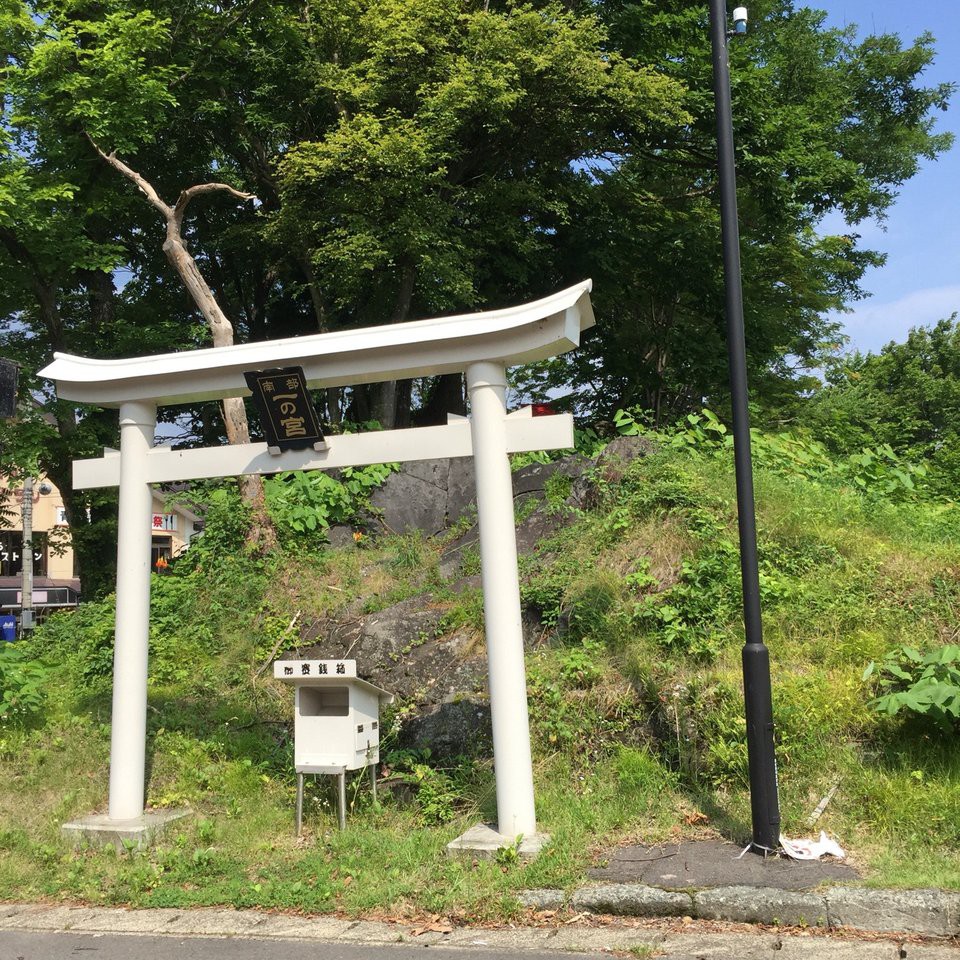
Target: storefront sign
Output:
[(164, 521), (11, 554), (286, 409)]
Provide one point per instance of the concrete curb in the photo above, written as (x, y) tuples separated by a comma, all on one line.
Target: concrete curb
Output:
[(928, 912), (632, 900)]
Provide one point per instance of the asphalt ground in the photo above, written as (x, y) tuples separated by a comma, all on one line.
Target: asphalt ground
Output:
[(716, 863)]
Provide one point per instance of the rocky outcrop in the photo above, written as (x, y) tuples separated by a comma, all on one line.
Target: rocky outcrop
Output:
[(458, 728), (609, 467), (429, 496), (406, 647), (432, 495), (529, 483)]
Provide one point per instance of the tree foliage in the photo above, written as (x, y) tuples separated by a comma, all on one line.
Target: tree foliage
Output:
[(824, 124), (412, 157), (906, 396)]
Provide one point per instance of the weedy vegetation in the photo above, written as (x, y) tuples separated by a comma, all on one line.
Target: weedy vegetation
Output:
[(635, 694)]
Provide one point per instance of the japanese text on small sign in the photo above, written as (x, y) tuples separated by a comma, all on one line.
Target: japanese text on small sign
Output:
[(322, 669), (286, 410)]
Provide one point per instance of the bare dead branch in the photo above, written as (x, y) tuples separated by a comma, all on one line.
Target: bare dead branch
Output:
[(262, 535), (142, 185), (200, 188)]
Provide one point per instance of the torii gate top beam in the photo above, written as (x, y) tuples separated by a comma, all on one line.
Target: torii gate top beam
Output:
[(534, 331)]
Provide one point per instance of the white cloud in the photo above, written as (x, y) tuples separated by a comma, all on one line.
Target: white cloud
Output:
[(872, 325), (874, 234)]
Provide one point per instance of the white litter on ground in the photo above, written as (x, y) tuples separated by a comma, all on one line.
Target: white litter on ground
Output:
[(807, 849)]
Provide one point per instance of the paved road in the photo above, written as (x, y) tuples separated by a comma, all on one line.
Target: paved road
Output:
[(72, 946), (24, 945)]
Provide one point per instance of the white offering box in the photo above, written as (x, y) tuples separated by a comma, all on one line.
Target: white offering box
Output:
[(336, 721)]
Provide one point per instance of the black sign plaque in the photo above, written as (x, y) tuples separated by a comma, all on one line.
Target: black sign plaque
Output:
[(286, 409), (8, 389)]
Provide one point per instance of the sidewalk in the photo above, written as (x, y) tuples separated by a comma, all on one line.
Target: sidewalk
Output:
[(595, 936), (709, 880)]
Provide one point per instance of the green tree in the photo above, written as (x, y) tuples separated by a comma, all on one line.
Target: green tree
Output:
[(56, 291), (907, 396), (447, 173), (824, 123), (79, 74), (420, 156)]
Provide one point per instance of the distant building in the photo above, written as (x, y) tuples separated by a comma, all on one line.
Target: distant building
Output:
[(55, 580)]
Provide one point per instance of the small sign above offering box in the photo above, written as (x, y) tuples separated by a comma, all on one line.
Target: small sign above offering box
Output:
[(322, 669), (286, 409)]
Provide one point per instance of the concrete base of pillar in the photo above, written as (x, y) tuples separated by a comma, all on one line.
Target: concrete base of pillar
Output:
[(483, 842), (99, 830)]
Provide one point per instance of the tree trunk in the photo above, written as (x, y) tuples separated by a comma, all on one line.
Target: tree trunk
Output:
[(262, 535), (319, 307), (386, 405), (333, 406), (333, 394), (447, 396), (383, 403), (402, 416)]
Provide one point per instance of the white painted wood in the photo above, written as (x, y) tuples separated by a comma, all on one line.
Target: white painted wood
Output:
[(420, 348), (486, 384), (163, 465), (128, 721)]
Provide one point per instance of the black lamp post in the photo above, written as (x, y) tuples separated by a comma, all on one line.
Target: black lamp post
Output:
[(758, 702)]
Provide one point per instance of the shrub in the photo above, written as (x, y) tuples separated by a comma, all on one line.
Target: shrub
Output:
[(441, 794), (306, 503), (23, 680), (924, 684), (84, 637)]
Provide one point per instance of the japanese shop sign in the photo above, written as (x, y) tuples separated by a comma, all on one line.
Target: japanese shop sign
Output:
[(11, 554), (286, 409), (164, 521)]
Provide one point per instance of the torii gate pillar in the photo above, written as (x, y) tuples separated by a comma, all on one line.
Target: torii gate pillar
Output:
[(486, 384), (128, 735)]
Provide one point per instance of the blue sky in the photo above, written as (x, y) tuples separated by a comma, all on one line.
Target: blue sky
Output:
[(920, 282)]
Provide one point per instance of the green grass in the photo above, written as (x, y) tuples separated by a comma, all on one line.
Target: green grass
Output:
[(239, 847), (636, 711), (643, 951)]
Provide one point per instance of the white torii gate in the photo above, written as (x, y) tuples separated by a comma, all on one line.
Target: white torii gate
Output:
[(481, 344)]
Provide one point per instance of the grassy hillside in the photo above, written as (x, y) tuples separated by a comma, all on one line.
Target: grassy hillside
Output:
[(635, 700)]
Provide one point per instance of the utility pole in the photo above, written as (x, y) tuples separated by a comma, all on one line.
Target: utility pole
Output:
[(758, 699), (26, 558)]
